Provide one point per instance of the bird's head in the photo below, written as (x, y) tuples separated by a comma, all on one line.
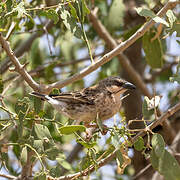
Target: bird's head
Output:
[(116, 85)]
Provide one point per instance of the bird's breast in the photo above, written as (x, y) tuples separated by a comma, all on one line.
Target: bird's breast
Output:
[(108, 106)]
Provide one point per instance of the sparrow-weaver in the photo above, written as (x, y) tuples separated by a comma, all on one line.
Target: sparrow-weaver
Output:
[(102, 99)]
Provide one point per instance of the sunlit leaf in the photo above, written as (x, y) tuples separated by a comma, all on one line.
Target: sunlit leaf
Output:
[(160, 20), (145, 12), (85, 9), (40, 176), (42, 132), (23, 158), (120, 157), (116, 14), (52, 152), (175, 28), (51, 14), (153, 50), (73, 11), (22, 105), (64, 164), (55, 172), (158, 144), (139, 144), (154, 160), (38, 145), (70, 23), (166, 165), (169, 167), (69, 129), (171, 17), (148, 13), (86, 144), (115, 140), (146, 113)]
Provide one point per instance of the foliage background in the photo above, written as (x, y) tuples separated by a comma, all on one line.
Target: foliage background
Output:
[(54, 40)]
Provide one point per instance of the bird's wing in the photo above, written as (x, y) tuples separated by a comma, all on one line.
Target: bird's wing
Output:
[(74, 97)]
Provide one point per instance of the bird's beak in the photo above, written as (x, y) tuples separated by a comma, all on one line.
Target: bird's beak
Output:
[(128, 85)]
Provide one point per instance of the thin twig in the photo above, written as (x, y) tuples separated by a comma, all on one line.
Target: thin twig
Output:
[(106, 58), (48, 7), (106, 160), (46, 65), (116, 51), (141, 171), (7, 176)]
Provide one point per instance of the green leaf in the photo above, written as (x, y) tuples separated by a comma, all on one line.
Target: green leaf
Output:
[(166, 165), (116, 14), (139, 144), (36, 54), (171, 17), (42, 132), (40, 176), (22, 105), (51, 14), (176, 27), (69, 129), (20, 9), (169, 167), (73, 11), (86, 144), (148, 13), (37, 104), (52, 152), (145, 110), (160, 20), (23, 158), (85, 162), (38, 145), (55, 91), (85, 9), (66, 44), (153, 50), (70, 23), (55, 172), (64, 163), (115, 140), (154, 160), (120, 157), (9, 5), (145, 12), (158, 144)]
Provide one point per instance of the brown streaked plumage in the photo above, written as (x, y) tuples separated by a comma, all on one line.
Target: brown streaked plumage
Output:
[(84, 105)]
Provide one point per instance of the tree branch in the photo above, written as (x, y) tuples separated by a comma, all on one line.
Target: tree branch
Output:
[(25, 46), (7, 176), (18, 67), (106, 160), (104, 34), (116, 51), (106, 58)]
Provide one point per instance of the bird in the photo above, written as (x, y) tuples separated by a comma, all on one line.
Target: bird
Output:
[(102, 99)]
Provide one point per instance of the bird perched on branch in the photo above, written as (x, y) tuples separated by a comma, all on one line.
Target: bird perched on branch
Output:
[(102, 99)]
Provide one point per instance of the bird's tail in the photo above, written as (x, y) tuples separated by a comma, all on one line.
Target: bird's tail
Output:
[(42, 96)]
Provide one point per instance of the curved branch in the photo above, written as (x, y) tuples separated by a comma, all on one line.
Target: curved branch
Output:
[(106, 160), (116, 51), (106, 58), (133, 74)]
